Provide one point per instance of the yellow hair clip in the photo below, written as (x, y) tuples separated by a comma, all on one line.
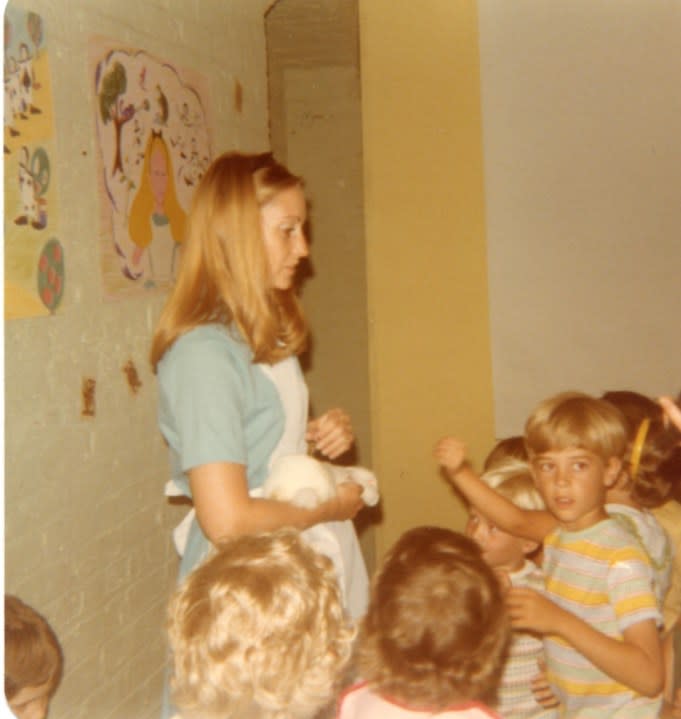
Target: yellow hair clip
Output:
[(638, 447)]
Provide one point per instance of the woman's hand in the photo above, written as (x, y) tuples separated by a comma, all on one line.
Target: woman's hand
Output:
[(331, 434), (347, 502)]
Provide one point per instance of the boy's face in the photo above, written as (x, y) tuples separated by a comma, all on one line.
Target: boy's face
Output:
[(573, 483), (31, 702), (499, 549)]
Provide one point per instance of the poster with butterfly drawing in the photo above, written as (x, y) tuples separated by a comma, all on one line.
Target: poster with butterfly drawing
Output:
[(34, 257), (153, 143)]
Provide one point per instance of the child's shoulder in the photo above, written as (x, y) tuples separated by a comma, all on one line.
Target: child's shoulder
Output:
[(608, 539)]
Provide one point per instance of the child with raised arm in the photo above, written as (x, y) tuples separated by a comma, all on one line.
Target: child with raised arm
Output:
[(258, 631), (433, 641), (639, 499), (599, 616), (508, 554)]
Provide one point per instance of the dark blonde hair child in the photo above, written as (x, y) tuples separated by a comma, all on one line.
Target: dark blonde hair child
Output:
[(34, 661), (435, 634), (257, 631), (647, 483)]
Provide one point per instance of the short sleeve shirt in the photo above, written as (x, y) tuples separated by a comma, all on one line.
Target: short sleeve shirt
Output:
[(215, 405)]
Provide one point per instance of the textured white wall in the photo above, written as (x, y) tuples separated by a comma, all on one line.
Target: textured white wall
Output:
[(87, 530)]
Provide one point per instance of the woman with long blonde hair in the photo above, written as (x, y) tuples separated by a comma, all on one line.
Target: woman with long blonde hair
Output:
[(232, 396)]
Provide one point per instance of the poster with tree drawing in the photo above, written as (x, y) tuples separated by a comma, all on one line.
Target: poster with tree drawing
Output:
[(34, 257), (153, 144)]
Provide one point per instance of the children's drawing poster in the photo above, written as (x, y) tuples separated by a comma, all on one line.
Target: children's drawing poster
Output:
[(152, 136), (34, 257)]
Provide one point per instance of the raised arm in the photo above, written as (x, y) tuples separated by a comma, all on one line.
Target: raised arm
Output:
[(224, 508), (526, 523), (635, 660)]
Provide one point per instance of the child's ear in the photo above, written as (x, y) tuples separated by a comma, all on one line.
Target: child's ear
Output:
[(613, 467)]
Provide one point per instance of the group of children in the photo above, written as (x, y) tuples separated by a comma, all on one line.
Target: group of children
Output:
[(561, 599), (604, 468)]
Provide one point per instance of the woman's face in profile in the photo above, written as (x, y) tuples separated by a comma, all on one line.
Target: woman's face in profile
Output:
[(283, 223)]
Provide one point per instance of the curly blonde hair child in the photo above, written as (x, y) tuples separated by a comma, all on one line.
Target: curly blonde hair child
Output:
[(258, 630)]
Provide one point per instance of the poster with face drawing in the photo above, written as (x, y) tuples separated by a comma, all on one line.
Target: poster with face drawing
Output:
[(34, 257), (153, 146)]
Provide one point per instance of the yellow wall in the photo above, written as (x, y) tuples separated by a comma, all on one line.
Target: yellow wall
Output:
[(426, 267)]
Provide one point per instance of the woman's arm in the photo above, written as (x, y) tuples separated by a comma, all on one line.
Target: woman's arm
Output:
[(224, 508), (526, 523), (635, 660)]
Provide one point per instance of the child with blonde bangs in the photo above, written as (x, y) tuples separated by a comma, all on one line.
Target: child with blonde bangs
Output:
[(599, 613), (258, 631), (509, 555), (435, 636)]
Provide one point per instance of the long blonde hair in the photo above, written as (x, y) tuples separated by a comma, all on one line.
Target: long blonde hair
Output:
[(142, 206), (224, 275)]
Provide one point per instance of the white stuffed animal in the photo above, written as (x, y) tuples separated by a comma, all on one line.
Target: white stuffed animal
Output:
[(307, 482)]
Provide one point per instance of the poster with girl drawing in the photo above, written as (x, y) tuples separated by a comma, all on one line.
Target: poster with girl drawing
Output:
[(34, 257), (152, 137)]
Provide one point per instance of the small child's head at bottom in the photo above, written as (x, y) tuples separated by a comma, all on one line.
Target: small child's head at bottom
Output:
[(33, 660), (258, 631), (512, 479), (436, 629)]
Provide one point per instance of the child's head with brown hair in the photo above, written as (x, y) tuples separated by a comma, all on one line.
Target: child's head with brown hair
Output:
[(651, 458), (576, 444), (508, 448), (33, 660), (436, 629), (258, 631)]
